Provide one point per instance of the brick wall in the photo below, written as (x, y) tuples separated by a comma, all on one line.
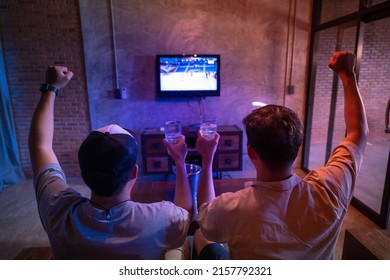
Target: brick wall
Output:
[(332, 9), (323, 87), (36, 34), (374, 77), (323, 93), (373, 81)]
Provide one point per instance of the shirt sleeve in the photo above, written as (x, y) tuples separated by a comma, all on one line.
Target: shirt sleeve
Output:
[(173, 219), (212, 217), (47, 175), (50, 187), (338, 176)]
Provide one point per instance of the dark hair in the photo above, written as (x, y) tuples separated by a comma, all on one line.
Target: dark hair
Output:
[(275, 133), (106, 161)]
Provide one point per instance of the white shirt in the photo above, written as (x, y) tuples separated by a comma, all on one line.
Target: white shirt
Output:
[(290, 219)]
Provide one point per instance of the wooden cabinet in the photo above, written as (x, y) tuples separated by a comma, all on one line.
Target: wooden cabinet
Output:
[(228, 156), (154, 154)]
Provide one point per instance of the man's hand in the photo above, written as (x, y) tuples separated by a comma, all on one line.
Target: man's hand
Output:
[(343, 62), (178, 151), (206, 147), (58, 76), (42, 123)]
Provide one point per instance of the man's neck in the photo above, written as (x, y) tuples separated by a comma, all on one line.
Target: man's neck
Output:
[(110, 201), (266, 175)]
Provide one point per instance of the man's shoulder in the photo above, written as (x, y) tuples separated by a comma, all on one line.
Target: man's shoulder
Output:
[(162, 208), (48, 170), (350, 147), (229, 199), (50, 180)]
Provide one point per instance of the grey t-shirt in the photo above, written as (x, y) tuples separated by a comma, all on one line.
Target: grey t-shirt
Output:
[(79, 230)]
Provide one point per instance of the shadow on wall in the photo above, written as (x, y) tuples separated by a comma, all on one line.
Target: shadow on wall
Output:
[(143, 81)]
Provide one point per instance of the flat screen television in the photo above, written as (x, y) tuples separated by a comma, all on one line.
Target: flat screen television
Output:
[(185, 75)]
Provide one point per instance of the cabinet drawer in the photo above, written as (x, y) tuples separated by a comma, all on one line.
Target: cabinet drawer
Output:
[(154, 145), (157, 164), (228, 157), (229, 143), (228, 162)]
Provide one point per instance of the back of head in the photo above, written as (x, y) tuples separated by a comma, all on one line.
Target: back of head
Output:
[(106, 158), (275, 133)]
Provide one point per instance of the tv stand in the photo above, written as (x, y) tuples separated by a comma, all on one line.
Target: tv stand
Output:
[(228, 156)]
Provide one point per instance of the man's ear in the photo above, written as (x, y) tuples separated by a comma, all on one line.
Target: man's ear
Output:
[(134, 172), (251, 153)]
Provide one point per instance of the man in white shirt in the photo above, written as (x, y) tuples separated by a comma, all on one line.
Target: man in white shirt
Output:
[(281, 216)]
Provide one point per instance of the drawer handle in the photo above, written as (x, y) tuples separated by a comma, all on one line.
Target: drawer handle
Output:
[(228, 161), (157, 164), (156, 146), (228, 143)]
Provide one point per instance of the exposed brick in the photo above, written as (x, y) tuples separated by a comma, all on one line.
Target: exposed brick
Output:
[(34, 36), (373, 81)]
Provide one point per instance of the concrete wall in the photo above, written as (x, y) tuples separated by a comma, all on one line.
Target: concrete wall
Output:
[(251, 36), (262, 48)]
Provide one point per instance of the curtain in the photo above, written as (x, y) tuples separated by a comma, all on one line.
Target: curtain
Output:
[(10, 166)]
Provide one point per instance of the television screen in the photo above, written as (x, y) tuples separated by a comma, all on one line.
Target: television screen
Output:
[(188, 75)]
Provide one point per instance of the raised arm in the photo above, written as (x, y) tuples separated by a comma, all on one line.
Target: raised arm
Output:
[(207, 149), (42, 125), (343, 63), (178, 152)]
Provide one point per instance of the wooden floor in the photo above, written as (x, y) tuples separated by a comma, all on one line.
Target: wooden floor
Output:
[(20, 226)]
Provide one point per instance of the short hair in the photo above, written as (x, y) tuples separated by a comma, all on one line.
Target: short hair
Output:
[(106, 160), (275, 133)]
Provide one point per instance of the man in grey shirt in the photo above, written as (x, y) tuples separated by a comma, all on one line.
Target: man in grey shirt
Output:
[(108, 225)]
